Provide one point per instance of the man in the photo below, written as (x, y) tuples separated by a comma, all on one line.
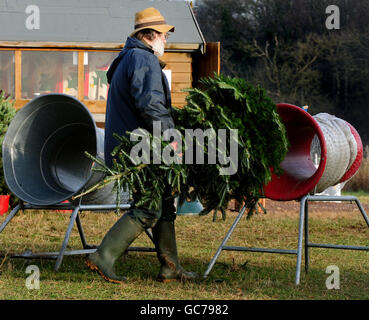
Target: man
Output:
[(138, 95)]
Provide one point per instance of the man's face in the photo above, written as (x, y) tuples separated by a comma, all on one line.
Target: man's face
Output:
[(159, 42)]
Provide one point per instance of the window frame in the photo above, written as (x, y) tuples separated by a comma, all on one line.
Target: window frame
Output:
[(15, 60), (95, 106)]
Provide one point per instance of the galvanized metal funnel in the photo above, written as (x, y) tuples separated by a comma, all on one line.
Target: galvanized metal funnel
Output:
[(43, 152)]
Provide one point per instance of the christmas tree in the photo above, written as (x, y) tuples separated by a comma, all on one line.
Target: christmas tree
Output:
[(222, 105)]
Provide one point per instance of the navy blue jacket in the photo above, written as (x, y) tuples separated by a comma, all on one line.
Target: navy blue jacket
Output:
[(138, 94)]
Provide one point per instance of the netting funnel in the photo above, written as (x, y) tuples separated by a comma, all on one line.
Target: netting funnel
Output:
[(351, 171), (300, 175), (44, 152)]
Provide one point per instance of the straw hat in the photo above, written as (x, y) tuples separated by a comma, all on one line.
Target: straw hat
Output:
[(151, 18)]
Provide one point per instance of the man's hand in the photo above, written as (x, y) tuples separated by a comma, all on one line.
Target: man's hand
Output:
[(174, 145)]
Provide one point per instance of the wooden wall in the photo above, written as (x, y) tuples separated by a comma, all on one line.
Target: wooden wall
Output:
[(188, 68), (181, 65), (205, 65)]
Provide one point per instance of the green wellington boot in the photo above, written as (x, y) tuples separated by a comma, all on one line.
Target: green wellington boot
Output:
[(165, 243), (115, 242)]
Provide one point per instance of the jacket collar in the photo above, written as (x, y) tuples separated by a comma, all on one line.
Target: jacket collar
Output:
[(135, 43), (142, 44), (131, 43)]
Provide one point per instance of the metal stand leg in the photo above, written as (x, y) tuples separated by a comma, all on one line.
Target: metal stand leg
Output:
[(10, 217), (82, 234), (221, 247), (362, 211), (303, 223), (149, 234), (306, 237), (66, 238), (299, 244), (339, 198), (297, 252), (87, 249)]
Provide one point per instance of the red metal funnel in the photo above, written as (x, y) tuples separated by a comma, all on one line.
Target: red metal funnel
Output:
[(300, 176)]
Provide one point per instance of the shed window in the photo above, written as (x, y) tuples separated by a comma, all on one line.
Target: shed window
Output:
[(48, 72), (7, 72), (95, 82)]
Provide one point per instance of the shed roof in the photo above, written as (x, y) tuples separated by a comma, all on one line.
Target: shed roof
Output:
[(91, 21)]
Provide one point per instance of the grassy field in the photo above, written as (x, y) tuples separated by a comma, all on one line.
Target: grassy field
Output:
[(235, 276)]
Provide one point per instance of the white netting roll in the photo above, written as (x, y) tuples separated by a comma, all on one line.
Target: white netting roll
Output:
[(341, 149)]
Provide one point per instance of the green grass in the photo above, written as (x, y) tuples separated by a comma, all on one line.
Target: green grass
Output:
[(235, 276), (363, 196)]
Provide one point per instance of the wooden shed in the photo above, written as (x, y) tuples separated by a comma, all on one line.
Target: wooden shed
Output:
[(67, 46)]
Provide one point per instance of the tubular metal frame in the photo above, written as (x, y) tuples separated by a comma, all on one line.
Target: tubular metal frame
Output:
[(74, 218), (303, 229)]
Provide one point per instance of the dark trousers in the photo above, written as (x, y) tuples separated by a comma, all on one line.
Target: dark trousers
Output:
[(148, 218)]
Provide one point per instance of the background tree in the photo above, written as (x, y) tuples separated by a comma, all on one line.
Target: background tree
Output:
[(7, 113), (284, 46)]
